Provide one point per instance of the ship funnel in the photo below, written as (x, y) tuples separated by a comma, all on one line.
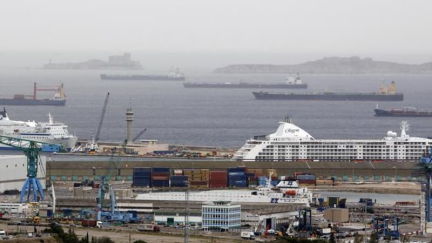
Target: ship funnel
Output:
[(392, 89), (288, 119)]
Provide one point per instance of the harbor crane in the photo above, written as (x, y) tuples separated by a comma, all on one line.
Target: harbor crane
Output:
[(424, 169), (32, 185), (139, 135), (93, 143)]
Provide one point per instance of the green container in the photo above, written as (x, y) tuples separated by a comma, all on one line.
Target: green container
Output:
[(388, 178), (366, 177), (64, 178), (345, 178), (53, 178), (97, 178), (129, 178), (85, 178), (75, 178), (332, 201), (118, 178), (377, 178)]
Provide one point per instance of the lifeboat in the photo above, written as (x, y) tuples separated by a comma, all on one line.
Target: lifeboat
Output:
[(290, 192)]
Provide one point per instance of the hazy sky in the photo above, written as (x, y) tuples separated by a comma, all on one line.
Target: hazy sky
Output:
[(330, 27)]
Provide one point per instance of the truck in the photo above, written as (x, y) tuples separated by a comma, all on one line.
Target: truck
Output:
[(247, 235), (149, 227)]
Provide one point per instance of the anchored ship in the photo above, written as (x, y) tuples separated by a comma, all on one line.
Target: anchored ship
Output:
[(292, 143), (47, 132), (291, 83), (173, 75), (383, 94), (284, 192), (404, 112), (59, 98)]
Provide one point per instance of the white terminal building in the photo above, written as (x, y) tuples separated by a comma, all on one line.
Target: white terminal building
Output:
[(221, 215)]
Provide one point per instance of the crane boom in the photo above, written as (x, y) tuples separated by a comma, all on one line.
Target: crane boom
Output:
[(139, 135), (99, 127)]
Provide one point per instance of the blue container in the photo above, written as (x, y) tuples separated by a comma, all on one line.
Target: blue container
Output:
[(164, 183), (179, 178), (235, 173), (274, 183), (250, 174), (161, 170), (141, 169), (178, 184), (141, 181), (238, 184), (142, 174), (236, 169)]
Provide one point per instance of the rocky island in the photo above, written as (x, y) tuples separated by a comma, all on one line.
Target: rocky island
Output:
[(331, 65)]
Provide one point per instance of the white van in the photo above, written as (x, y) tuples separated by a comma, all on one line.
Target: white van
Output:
[(2, 234), (247, 235)]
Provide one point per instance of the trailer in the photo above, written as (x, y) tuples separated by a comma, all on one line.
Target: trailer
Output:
[(149, 227)]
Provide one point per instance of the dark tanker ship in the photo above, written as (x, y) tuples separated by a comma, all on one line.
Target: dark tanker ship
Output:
[(404, 112), (383, 94), (291, 83)]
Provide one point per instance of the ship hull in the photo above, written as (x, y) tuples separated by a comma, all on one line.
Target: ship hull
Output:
[(141, 77), (328, 97), (245, 86), (30, 102), (238, 196), (380, 112)]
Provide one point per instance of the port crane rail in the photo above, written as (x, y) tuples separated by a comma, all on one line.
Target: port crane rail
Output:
[(32, 185)]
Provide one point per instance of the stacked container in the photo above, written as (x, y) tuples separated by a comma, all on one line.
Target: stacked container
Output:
[(306, 180), (261, 180), (251, 178), (237, 177), (160, 177), (198, 178), (218, 179), (179, 181), (141, 177)]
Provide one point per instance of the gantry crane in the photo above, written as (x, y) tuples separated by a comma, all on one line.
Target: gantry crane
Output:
[(424, 169), (32, 185)]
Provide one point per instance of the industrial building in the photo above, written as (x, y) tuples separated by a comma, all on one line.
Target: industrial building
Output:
[(14, 172), (221, 215)]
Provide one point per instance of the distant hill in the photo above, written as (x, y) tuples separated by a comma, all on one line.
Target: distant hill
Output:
[(328, 65)]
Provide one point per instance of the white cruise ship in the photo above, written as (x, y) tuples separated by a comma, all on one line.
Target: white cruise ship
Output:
[(47, 132), (291, 143), (284, 192)]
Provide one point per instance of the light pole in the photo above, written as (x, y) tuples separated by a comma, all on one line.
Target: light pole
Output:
[(353, 170), (395, 168)]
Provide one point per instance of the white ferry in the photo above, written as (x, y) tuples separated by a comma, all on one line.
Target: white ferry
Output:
[(47, 132), (284, 192), (291, 143)]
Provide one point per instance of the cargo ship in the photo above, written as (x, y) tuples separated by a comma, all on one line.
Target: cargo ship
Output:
[(59, 98), (383, 94), (173, 75), (292, 143), (404, 112), (291, 83)]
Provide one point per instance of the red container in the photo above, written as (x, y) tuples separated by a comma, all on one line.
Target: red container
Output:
[(160, 173), (160, 178)]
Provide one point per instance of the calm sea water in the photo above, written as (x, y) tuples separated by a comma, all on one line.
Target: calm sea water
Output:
[(214, 117)]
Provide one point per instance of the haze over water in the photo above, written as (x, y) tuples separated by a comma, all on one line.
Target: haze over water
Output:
[(214, 117)]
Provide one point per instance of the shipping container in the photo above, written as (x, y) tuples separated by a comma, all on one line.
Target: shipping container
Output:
[(237, 169), (177, 172), (160, 178), (159, 169), (164, 183)]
